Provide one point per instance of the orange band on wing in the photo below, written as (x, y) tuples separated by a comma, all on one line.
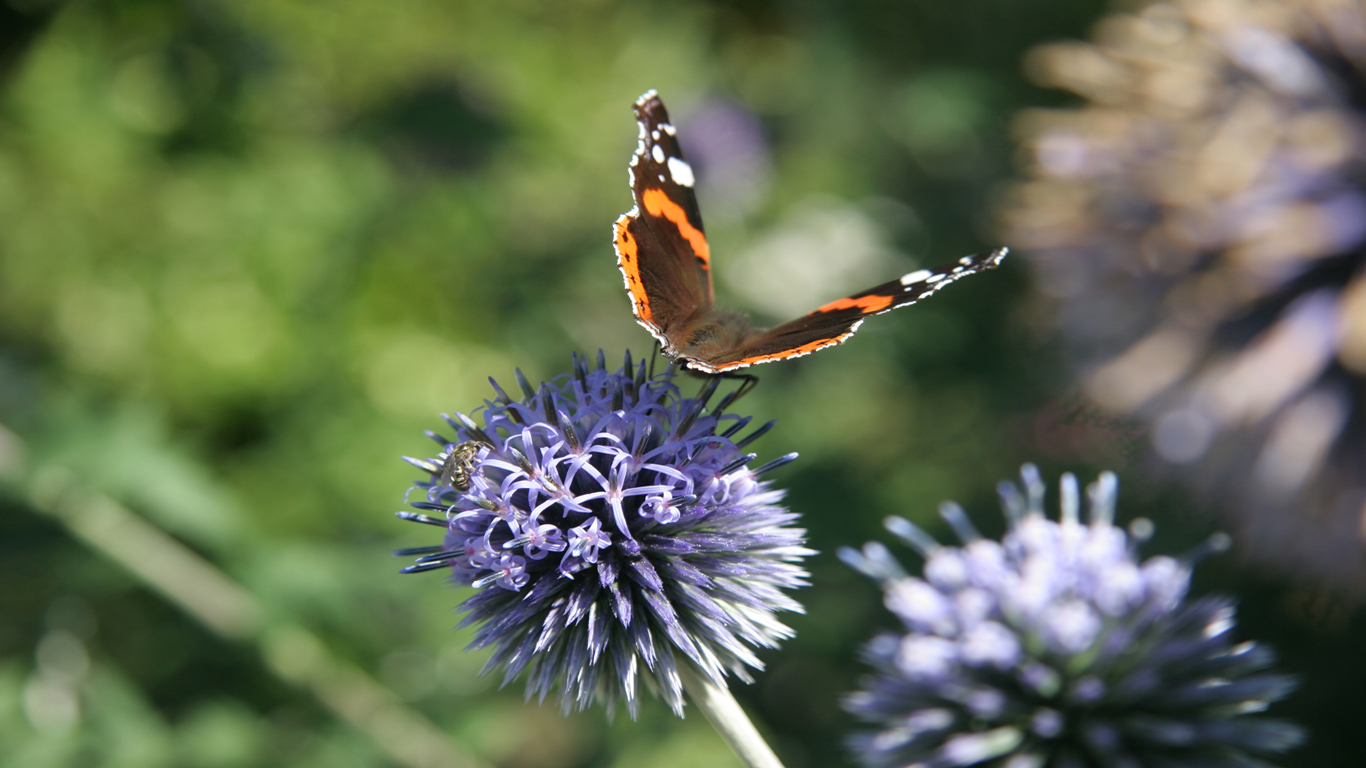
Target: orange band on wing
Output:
[(626, 244), (627, 252), (797, 351), (786, 354), (657, 203), (867, 304)]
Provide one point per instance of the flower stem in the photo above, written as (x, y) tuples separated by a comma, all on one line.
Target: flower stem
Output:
[(729, 720)]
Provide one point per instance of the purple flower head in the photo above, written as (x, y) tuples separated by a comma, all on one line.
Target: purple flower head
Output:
[(612, 529), (1057, 646)]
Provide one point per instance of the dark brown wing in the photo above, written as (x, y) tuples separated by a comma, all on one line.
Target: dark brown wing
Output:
[(661, 249), (838, 320)]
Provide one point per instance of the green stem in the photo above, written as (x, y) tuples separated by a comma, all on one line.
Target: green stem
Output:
[(729, 720)]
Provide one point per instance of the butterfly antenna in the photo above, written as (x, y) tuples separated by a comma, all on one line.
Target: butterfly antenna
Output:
[(654, 357)]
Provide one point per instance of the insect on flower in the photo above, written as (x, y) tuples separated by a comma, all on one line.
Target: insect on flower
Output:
[(456, 465), (613, 530)]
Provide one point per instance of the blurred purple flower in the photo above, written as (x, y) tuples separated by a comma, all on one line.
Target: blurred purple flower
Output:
[(1201, 222), (1056, 646), (609, 525), (726, 144)]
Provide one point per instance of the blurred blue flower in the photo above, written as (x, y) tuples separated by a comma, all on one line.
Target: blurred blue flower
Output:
[(608, 525), (1056, 646), (1200, 220)]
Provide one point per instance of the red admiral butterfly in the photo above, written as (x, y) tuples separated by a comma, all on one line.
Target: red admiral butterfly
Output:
[(666, 262)]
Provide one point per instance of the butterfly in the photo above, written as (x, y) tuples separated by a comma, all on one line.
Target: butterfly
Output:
[(666, 264)]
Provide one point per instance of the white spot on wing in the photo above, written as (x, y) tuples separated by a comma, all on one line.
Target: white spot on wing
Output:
[(668, 128), (655, 134), (915, 277), (658, 153), (681, 171)]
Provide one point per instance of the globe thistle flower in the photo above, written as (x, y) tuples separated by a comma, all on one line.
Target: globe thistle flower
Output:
[(1201, 221), (614, 532), (1056, 646)]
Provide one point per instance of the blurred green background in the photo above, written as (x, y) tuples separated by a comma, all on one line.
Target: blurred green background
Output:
[(250, 250)]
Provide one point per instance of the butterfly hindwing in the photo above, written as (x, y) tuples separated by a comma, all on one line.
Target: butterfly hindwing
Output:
[(838, 320), (661, 249)]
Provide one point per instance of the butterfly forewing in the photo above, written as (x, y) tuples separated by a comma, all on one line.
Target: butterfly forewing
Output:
[(661, 249)]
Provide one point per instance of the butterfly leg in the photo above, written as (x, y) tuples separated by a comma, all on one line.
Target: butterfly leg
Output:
[(748, 382), (653, 358)]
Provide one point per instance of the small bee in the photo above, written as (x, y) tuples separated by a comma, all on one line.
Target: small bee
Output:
[(457, 464)]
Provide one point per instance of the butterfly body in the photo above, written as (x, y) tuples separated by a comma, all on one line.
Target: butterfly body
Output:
[(708, 335), (665, 262)]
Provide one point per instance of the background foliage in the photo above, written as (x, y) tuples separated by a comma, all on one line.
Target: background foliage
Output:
[(248, 251)]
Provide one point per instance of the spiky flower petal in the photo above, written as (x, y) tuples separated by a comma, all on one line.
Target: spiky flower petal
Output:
[(613, 530), (1055, 646)]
